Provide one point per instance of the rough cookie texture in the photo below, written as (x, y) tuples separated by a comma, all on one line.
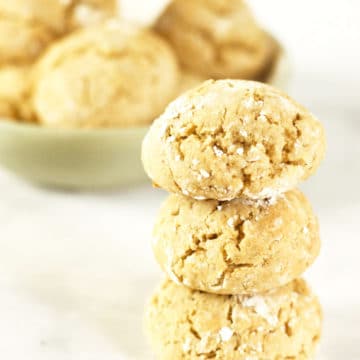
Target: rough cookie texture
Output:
[(235, 247), (14, 91), (109, 75), (187, 324), (233, 138), (217, 38), (27, 27)]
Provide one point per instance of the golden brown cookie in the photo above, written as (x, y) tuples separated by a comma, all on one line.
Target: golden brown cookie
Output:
[(217, 38), (115, 74), (27, 27), (232, 138), (14, 91), (185, 324), (234, 247)]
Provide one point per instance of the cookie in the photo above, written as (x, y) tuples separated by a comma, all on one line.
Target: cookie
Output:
[(20, 43), (115, 74), (186, 324), (14, 91), (27, 27), (6, 111), (233, 138), (234, 247), (217, 39)]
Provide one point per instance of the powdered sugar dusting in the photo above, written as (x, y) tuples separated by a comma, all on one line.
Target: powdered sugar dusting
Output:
[(169, 270), (200, 198), (243, 133), (267, 193), (231, 221), (170, 139), (204, 173), (254, 154), (240, 151), (278, 222), (218, 152), (186, 346), (251, 103), (226, 334), (261, 308)]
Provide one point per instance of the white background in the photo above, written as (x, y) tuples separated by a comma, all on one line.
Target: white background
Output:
[(75, 268)]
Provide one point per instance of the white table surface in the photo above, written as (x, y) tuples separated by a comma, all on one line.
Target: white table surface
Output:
[(76, 268)]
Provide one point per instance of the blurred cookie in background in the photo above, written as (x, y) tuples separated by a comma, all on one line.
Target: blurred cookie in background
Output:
[(14, 93), (6, 110), (27, 27), (114, 74), (218, 39), (21, 43)]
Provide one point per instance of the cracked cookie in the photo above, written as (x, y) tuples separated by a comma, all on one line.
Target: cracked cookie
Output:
[(218, 39), (233, 138), (235, 247), (284, 323), (105, 76), (27, 27)]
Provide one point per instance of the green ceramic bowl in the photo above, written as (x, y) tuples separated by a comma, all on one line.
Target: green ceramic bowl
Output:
[(72, 159), (84, 159)]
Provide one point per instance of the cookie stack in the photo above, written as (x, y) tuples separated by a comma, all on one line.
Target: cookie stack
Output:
[(235, 235)]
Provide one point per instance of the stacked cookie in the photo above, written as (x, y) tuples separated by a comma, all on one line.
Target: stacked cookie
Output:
[(235, 235)]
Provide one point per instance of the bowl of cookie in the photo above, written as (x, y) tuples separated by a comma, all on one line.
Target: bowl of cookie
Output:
[(80, 90)]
